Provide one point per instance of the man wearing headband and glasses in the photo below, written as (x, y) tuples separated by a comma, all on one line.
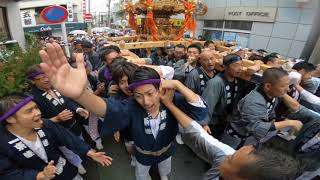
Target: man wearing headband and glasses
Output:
[(153, 127), (29, 145), (222, 93)]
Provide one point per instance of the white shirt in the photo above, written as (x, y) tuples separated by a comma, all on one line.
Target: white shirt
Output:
[(155, 123), (167, 72), (36, 147)]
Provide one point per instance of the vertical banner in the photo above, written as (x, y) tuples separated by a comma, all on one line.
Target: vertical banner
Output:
[(28, 18), (84, 8), (70, 11)]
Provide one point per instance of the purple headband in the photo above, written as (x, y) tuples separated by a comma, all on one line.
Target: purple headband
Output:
[(32, 75), (136, 84), (13, 110), (107, 75)]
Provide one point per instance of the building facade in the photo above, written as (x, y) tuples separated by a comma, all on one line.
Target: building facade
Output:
[(289, 27), (30, 13), (10, 28)]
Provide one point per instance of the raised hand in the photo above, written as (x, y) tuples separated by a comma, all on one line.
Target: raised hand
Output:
[(296, 125), (100, 157), (49, 172), (83, 112), (116, 136), (113, 89), (65, 115), (69, 81), (166, 96), (191, 59), (207, 129)]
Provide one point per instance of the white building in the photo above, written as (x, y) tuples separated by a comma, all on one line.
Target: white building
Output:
[(30, 11), (10, 24), (289, 27)]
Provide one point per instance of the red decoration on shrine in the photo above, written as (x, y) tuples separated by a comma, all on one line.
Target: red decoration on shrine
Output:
[(132, 22), (150, 21), (189, 23)]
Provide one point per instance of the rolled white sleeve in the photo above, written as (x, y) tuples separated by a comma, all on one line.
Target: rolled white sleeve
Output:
[(309, 97), (200, 103), (204, 145), (167, 72)]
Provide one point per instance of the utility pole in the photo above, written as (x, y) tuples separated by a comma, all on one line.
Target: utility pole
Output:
[(109, 13), (89, 23)]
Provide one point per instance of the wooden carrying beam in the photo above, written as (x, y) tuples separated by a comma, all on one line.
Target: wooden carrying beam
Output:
[(154, 44), (122, 38)]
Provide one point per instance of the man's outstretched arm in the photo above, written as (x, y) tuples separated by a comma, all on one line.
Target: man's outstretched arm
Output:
[(204, 145), (70, 82)]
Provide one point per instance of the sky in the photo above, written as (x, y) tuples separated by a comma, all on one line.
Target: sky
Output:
[(100, 5)]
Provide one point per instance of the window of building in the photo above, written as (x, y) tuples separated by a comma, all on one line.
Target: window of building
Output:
[(4, 30), (213, 35), (229, 36), (239, 25), (241, 39), (213, 24), (229, 31)]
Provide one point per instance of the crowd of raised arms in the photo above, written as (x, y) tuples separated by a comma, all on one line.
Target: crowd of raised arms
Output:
[(250, 114)]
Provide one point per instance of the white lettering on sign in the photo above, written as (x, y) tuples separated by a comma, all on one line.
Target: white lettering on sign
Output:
[(250, 14), (28, 18), (261, 14), (48, 28), (235, 13), (70, 11)]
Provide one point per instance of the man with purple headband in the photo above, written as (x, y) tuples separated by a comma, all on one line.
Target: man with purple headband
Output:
[(153, 127), (29, 145)]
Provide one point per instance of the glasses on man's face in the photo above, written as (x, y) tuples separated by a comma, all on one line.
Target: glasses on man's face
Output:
[(41, 78)]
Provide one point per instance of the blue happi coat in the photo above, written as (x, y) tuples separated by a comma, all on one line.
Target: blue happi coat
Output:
[(50, 108), (128, 113), (19, 162)]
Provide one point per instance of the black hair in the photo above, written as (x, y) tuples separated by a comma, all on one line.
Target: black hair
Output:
[(272, 75), (86, 44), (76, 41), (271, 164), (181, 46), (106, 51), (274, 54), (231, 58), (269, 57), (33, 69), (306, 66), (261, 51), (9, 101), (122, 68), (255, 57), (144, 73), (114, 47), (207, 43), (162, 49), (195, 45), (172, 46)]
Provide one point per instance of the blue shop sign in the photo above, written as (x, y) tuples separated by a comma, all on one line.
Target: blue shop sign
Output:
[(52, 27)]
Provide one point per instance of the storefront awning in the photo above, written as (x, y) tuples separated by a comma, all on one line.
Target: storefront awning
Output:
[(51, 27)]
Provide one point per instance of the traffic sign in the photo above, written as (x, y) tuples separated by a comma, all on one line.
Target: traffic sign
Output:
[(88, 17), (54, 14)]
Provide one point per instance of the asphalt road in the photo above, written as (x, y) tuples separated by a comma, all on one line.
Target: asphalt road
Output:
[(185, 164)]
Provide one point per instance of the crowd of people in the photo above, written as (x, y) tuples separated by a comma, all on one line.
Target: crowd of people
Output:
[(246, 121)]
